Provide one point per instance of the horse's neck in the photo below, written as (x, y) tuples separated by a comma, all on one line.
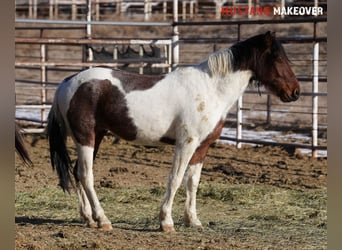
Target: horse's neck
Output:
[(226, 89), (231, 87), (231, 84)]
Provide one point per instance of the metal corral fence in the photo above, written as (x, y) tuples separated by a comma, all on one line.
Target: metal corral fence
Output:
[(41, 65), (187, 9)]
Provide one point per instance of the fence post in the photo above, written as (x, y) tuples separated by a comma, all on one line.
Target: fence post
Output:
[(141, 55), (239, 107), (239, 122), (282, 6), (147, 9), (268, 115), (51, 2), (218, 9), (175, 36), (315, 99), (97, 10), (250, 4), (43, 80), (90, 52)]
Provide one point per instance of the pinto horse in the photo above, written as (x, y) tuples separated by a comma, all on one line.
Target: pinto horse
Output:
[(186, 107)]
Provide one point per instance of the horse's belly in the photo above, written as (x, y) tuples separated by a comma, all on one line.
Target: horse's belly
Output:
[(151, 130)]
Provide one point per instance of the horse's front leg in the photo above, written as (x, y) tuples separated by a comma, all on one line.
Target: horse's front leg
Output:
[(191, 181), (183, 153), (86, 178)]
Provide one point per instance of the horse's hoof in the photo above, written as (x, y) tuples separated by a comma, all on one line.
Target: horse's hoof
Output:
[(200, 228), (194, 224), (106, 227), (167, 228), (92, 225)]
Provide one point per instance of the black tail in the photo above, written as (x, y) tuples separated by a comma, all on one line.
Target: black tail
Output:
[(59, 156), (20, 147)]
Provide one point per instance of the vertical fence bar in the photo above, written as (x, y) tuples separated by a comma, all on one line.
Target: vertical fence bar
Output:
[(56, 9), (191, 9), (35, 9), (175, 37), (30, 5), (218, 9), (147, 9), (184, 10), (282, 6), (169, 57), (250, 4), (90, 52), (43, 79), (51, 3), (97, 10), (73, 10), (268, 115), (164, 10), (239, 106), (141, 55), (315, 99), (239, 122)]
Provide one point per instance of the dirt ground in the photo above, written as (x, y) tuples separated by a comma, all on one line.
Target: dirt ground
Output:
[(124, 165)]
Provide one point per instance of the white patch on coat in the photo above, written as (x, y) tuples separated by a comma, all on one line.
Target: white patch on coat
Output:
[(187, 96)]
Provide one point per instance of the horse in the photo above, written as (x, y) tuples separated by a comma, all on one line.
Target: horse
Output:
[(186, 107), (20, 147)]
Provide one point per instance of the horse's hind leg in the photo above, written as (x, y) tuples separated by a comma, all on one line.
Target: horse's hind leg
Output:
[(191, 181), (84, 205), (86, 179)]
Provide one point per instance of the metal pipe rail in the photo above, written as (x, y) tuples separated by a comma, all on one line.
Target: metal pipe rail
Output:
[(173, 44)]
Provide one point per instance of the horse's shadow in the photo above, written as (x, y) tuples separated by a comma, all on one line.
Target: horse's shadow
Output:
[(23, 220)]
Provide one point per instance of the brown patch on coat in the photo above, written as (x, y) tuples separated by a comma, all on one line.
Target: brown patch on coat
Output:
[(96, 106), (202, 150), (132, 82)]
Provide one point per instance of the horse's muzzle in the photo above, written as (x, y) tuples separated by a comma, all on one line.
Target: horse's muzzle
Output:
[(295, 95), (284, 97)]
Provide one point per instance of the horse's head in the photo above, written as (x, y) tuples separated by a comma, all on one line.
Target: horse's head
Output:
[(273, 70)]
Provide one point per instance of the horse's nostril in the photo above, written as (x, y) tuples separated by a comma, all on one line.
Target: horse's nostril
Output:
[(296, 93)]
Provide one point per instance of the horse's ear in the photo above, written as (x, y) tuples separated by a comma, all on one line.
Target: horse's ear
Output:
[(269, 37)]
